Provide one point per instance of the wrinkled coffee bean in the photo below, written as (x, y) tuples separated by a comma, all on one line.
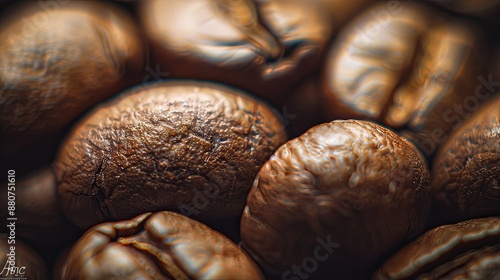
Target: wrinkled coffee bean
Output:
[(411, 69), (54, 64), (353, 184), (467, 250), (18, 261), (265, 47), (163, 245), (466, 171), (186, 146)]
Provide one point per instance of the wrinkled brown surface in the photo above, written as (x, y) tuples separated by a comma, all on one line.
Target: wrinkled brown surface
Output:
[(352, 182), (408, 67), (449, 251), (266, 49), (56, 63), (466, 170), (34, 268), (186, 146), (163, 245)]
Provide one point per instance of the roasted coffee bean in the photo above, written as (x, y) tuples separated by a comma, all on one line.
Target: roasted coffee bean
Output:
[(187, 146), (164, 245), (466, 171), (265, 47), (412, 69), (351, 187), (56, 63), (467, 250)]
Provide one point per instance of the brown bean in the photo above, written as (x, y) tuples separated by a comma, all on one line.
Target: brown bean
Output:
[(264, 47), (56, 63), (467, 250), (350, 183), (466, 170), (163, 245), (187, 146), (410, 68)]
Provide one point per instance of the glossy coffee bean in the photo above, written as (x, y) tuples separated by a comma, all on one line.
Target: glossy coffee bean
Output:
[(163, 245), (264, 47), (411, 68), (351, 187), (467, 250)]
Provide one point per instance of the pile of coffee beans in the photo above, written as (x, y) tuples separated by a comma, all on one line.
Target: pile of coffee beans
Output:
[(250, 139)]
